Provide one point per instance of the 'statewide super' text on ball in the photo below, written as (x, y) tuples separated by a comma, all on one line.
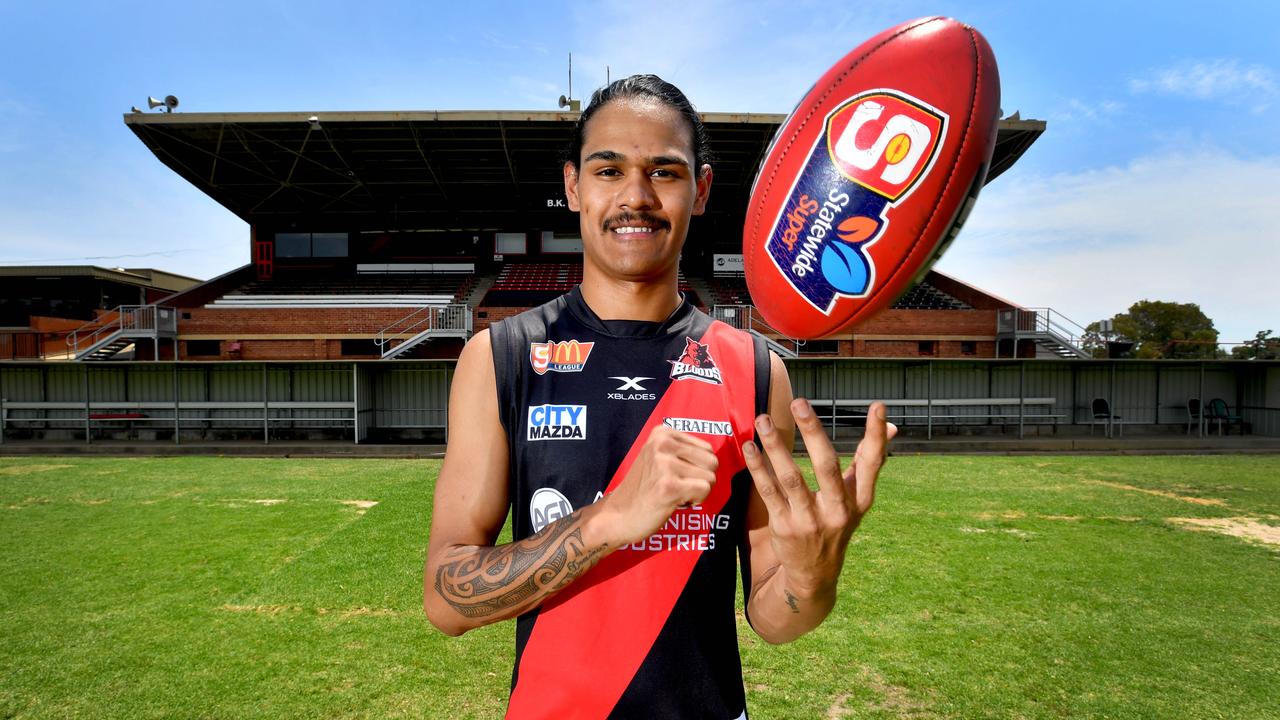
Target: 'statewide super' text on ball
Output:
[(871, 176)]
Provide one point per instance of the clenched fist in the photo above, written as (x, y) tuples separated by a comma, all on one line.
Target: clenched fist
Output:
[(672, 470)]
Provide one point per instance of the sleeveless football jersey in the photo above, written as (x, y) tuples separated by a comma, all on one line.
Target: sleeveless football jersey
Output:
[(649, 632)]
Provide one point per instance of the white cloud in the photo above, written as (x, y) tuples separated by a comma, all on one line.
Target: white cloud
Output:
[(722, 55), (1199, 226), (1207, 80), (1077, 110)]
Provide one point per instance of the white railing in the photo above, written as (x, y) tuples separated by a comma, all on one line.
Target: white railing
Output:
[(745, 317), (453, 320), (129, 320), (1041, 321)]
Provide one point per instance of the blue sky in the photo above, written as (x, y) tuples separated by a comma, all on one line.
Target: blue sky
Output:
[(1158, 178)]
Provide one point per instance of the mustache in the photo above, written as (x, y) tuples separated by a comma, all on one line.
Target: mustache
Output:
[(636, 218)]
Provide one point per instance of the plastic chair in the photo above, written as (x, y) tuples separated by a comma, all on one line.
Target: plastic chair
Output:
[(1220, 413), (1102, 412), (1193, 413)]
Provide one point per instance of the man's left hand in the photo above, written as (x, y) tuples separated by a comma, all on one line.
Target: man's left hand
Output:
[(811, 530)]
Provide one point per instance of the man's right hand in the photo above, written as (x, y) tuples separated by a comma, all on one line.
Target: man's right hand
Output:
[(673, 470)]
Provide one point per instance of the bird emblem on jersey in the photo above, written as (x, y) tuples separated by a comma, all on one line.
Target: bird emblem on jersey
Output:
[(695, 363)]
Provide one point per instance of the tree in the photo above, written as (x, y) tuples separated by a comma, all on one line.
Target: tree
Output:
[(1262, 347), (1165, 330)]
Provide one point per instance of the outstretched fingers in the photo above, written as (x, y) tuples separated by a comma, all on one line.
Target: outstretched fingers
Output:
[(788, 475), (826, 463), (869, 457)]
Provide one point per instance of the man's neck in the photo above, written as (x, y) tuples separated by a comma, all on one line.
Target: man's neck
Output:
[(612, 299)]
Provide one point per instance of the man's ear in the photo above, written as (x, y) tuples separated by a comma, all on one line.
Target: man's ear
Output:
[(703, 190), (571, 186)]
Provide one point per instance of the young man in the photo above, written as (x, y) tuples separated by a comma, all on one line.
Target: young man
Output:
[(617, 424)]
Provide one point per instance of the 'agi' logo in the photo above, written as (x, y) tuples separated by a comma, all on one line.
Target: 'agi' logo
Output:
[(559, 356), (695, 363), (547, 506), (879, 145)]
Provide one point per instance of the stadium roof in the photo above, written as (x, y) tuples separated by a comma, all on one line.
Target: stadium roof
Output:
[(142, 277), (430, 169)]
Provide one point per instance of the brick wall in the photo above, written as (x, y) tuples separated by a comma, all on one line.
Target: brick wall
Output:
[(929, 323), (300, 333), (228, 323), (493, 315), (316, 333)]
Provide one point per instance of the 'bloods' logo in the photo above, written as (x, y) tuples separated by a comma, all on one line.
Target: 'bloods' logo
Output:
[(695, 363), (563, 356), (879, 145)]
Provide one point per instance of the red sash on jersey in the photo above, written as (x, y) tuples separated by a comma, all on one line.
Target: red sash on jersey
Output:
[(589, 640)]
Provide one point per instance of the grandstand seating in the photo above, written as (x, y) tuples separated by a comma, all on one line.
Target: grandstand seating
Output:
[(927, 297), (455, 286), (522, 284), (730, 290)]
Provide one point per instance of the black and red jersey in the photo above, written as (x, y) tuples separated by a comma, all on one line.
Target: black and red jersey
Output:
[(650, 632)]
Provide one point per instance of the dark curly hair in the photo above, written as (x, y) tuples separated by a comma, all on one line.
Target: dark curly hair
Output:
[(643, 86)]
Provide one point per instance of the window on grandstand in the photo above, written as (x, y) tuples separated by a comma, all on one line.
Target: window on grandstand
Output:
[(820, 347), (293, 245), (329, 244), (360, 348), (968, 347), (509, 244), (928, 347), (204, 348), (301, 245), (551, 243)]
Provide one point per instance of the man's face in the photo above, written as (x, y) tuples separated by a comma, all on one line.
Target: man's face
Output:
[(636, 188)]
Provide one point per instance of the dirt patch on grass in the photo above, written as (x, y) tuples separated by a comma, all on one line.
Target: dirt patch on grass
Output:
[(361, 506), (362, 612), (28, 503), (262, 609), (1008, 531), (1077, 518), (1160, 493), (283, 609), (27, 469), (1003, 515), (270, 501), (1246, 528), (893, 699)]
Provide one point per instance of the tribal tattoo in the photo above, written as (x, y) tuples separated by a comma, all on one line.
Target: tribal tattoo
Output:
[(488, 581)]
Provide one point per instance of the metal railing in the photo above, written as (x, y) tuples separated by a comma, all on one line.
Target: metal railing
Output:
[(1040, 321), (453, 320), (126, 320), (745, 317)]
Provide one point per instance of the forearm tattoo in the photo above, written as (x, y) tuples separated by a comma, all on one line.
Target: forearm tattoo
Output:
[(489, 581)]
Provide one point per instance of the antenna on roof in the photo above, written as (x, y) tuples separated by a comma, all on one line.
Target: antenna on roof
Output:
[(567, 101)]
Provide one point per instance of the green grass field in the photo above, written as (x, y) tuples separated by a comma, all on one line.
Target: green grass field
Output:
[(1035, 587)]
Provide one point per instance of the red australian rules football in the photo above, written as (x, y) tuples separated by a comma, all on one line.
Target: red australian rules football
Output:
[(871, 176)]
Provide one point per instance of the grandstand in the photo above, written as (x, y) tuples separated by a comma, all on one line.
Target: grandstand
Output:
[(399, 234)]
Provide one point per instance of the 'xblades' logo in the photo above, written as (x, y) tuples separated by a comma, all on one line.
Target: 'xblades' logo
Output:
[(631, 389)]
